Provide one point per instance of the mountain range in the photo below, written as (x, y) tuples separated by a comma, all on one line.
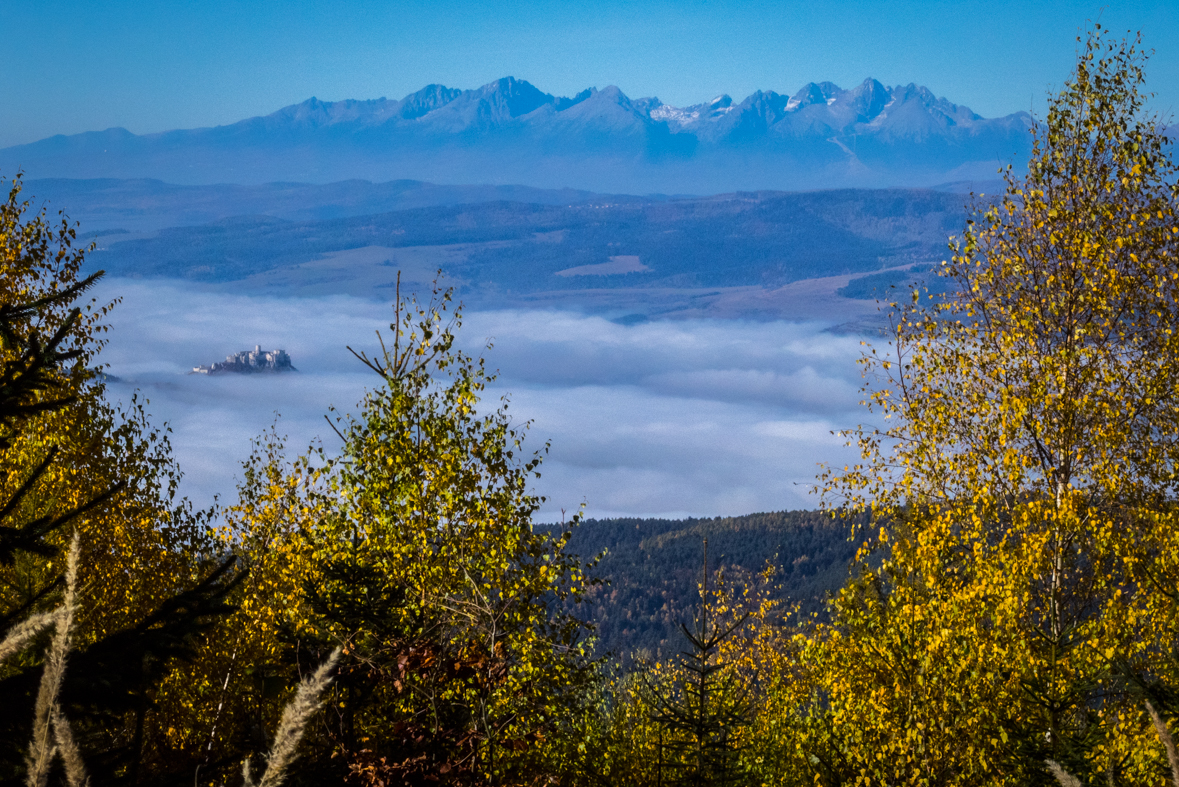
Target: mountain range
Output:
[(510, 132)]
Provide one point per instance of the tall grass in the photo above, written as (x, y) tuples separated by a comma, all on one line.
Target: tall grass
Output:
[(51, 731), (1063, 777), (53, 737), (292, 725)]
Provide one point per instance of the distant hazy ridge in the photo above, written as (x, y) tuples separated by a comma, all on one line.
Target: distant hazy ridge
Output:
[(632, 254), (510, 132)]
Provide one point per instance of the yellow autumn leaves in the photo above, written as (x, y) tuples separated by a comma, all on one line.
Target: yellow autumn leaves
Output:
[(1013, 614), (1018, 609)]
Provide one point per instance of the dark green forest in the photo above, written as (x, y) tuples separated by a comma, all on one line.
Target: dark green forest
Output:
[(653, 569)]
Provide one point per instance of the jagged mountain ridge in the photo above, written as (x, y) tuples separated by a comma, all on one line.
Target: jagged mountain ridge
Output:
[(820, 107), (509, 131)]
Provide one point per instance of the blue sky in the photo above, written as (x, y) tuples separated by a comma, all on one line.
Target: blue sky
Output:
[(151, 66)]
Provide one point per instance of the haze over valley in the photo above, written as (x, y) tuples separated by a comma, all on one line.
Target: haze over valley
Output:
[(668, 417), (672, 312)]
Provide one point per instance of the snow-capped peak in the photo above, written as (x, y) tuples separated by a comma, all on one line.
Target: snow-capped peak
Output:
[(674, 114), (712, 110)]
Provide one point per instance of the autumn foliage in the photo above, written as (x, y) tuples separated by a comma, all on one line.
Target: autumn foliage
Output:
[(390, 614), (1021, 609)]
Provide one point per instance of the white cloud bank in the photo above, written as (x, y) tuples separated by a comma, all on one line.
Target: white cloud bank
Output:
[(658, 419)]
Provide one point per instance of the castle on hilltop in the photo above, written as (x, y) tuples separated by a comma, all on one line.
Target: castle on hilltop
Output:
[(247, 361)]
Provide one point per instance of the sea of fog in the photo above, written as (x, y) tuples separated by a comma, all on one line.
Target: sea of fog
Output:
[(664, 418)]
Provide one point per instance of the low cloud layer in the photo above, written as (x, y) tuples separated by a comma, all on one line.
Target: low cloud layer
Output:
[(658, 419)]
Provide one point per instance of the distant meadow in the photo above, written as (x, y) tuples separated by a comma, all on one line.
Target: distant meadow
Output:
[(663, 418)]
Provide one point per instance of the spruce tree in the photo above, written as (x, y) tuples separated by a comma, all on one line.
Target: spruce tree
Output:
[(706, 706)]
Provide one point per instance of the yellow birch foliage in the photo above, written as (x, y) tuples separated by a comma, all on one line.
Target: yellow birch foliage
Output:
[(142, 544), (427, 512), (217, 707), (1024, 484)]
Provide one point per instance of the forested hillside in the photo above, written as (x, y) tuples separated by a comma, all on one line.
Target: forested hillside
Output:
[(653, 568), (763, 239), (143, 204)]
